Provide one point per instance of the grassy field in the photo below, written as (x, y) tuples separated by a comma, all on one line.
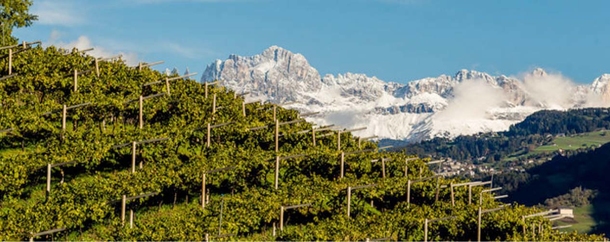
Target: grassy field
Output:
[(577, 141), (584, 221)]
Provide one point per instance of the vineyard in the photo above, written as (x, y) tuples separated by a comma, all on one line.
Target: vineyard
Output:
[(93, 149)]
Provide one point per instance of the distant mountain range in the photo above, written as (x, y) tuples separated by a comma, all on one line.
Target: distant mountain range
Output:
[(466, 103)]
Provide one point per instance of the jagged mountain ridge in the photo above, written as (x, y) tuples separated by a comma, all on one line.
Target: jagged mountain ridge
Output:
[(465, 103)]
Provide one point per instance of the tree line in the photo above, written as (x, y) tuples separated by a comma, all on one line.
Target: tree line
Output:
[(536, 130)]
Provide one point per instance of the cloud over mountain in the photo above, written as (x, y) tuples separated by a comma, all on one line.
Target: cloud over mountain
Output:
[(465, 103)]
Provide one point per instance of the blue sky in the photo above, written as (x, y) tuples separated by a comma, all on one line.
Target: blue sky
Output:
[(395, 40)]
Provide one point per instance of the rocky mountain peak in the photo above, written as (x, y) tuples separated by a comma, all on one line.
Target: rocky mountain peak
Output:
[(443, 105), (600, 86), (277, 53), (276, 74), (538, 72), (471, 74)]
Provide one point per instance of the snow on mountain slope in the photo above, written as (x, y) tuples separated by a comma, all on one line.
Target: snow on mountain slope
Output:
[(465, 103)]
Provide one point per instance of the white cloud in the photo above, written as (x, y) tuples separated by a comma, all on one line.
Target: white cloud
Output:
[(59, 12), (84, 42), (473, 98), (556, 91), (551, 90)]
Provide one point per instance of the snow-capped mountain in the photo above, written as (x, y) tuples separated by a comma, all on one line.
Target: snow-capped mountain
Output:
[(465, 103)]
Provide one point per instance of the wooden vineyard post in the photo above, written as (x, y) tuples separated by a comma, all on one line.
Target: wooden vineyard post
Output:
[(141, 115), (284, 208), (408, 193), (133, 150), (313, 135), (167, 87), (360, 139), (64, 112), (383, 160), (208, 139), (133, 157), (349, 201), (142, 64), (277, 171), (274, 112), (277, 166), (75, 80), (452, 187), (166, 82), (131, 218), (203, 182), (277, 132), (214, 104), (281, 218), (314, 130), (124, 200), (209, 128), (123, 206), (207, 84), (243, 106), (409, 183), (49, 167), (480, 213), (426, 230), (141, 100), (48, 193), (342, 163), (342, 160), (427, 221), (349, 196), (345, 131), (487, 190)]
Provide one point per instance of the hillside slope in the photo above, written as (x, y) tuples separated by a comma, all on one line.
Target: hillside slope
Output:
[(96, 150)]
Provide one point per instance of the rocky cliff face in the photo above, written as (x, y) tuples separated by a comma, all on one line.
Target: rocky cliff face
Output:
[(276, 74), (600, 86), (465, 103)]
